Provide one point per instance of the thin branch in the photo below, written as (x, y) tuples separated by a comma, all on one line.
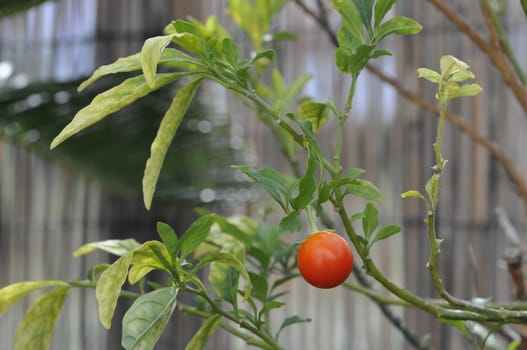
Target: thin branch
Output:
[(499, 38)]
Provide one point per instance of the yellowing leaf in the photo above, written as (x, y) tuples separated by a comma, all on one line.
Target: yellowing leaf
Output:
[(36, 329)]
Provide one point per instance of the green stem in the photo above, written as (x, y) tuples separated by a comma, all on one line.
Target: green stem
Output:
[(351, 93), (234, 331), (272, 344), (86, 284), (377, 297), (311, 219)]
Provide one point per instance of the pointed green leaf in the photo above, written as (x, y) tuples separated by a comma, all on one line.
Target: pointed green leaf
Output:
[(189, 42), (201, 337), (145, 259), (165, 134), (168, 236), (429, 75), (278, 82), (365, 189), (351, 32), (290, 321), (386, 232), (365, 8), (355, 62), (381, 9), (230, 51), (314, 112), (380, 53), (467, 90), (14, 292), (296, 87), (260, 286), (291, 222), (461, 76), (307, 183), (450, 65), (271, 181), (150, 55), (267, 54), (121, 65), (459, 324), (399, 25), (147, 318), (109, 287), (133, 63), (221, 276), (370, 220), (195, 235), (413, 193), (117, 247), (36, 329), (111, 101)]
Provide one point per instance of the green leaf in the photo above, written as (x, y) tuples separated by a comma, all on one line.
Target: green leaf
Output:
[(189, 42), (14, 292), (150, 54), (307, 184), (450, 65), (296, 87), (267, 54), (195, 235), (201, 337), (146, 319), (370, 220), (461, 76), (145, 259), (399, 25), (291, 222), (290, 321), (283, 35), (351, 34), (386, 232), (459, 324), (36, 329), (165, 134), (260, 286), (365, 8), (279, 84), (271, 180), (467, 90), (121, 65), (169, 237), (239, 228), (230, 51), (133, 63), (316, 113), (429, 75), (365, 189), (273, 304), (111, 101), (109, 287), (355, 62), (381, 9), (221, 275), (117, 247), (413, 193), (380, 53), (515, 344)]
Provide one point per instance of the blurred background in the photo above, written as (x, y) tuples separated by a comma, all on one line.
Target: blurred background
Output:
[(88, 189)]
